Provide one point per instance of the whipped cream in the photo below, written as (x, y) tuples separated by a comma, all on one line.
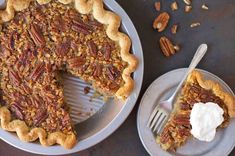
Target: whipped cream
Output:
[(204, 119)]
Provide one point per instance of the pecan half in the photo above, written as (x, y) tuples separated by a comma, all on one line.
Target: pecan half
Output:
[(165, 136), (182, 120), (36, 35), (112, 72), (92, 48), (40, 117), (76, 62), (14, 77), (161, 21), (166, 46), (79, 28), (107, 51), (97, 70), (17, 111), (37, 72), (63, 48)]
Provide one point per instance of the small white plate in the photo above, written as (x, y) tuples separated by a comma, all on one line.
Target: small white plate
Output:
[(161, 89)]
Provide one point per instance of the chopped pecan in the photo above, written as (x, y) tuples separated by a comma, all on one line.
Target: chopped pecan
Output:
[(185, 106), (166, 46), (205, 7), (174, 29), (14, 77), (112, 72), (40, 117), (86, 90), (17, 111), (63, 48), (97, 70), (76, 62), (36, 34), (188, 2), (157, 6), (107, 51), (38, 71), (174, 6), (11, 43), (161, 21), (188, 8), (92, 48)]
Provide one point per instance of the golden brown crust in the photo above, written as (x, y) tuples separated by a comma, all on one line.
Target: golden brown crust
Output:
[(25, 134), (105, 17), (228, 99)]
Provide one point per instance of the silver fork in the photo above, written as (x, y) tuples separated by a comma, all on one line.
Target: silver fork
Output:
[(161, 112)]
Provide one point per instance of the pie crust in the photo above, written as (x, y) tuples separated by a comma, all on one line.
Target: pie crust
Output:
[(107, 18)]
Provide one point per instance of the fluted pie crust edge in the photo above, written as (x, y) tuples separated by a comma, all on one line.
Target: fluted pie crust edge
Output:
[(108, 18)]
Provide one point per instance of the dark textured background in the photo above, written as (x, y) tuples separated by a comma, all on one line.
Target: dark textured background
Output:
[(217, 29)]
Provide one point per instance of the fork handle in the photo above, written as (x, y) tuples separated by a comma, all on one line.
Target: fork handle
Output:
[(202, 49)]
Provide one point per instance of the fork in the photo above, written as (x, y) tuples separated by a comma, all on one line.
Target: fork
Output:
[(161, 112)]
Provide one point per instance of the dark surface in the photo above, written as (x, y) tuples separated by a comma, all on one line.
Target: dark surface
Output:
[(217, 29)]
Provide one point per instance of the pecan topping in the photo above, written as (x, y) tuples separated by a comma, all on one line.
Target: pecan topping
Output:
[(76, 62), (161, 21), (98, 70), (38, 71), (184, 132), (40, 117), (112, 73), (166, 46), (92, 48), (113, 86), (17, 111), (63, 48), (36, 35), (107, 51), (14, 77)]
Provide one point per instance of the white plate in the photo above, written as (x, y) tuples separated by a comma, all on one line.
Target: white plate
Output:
[(161, 89), (109, 118)]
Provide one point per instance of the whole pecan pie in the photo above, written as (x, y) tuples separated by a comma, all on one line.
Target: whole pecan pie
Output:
[(41, 38), (196, 89)]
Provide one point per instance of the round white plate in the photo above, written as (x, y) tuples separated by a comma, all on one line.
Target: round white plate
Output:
[(161, 89), (106, 120)]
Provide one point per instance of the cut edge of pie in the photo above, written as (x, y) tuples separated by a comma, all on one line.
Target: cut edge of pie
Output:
[(177, 129), (108, 18)]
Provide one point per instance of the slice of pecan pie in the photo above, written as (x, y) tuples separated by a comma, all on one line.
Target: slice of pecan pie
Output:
[(41, 38), (196, 89)]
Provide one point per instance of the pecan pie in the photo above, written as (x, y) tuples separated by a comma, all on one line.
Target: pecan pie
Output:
[(41, 38), (177, 129)]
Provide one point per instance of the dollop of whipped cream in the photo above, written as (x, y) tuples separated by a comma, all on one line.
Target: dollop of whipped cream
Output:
[(204, 119)]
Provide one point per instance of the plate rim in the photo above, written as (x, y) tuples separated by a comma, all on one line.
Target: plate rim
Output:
[(117, 121), (152, 84)]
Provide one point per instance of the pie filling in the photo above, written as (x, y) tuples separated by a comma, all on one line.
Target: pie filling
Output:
[(39, 43), (177, 129)]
